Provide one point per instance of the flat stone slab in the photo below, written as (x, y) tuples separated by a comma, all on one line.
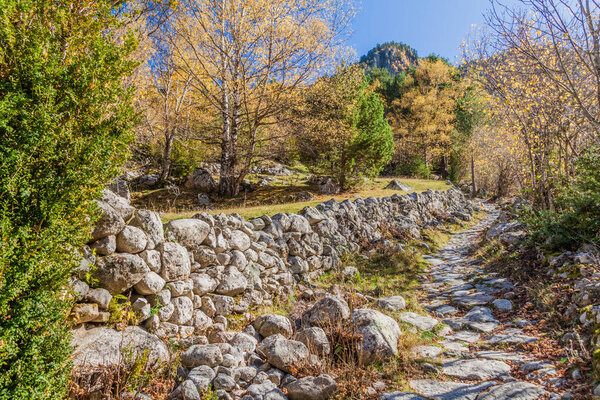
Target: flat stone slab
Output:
[(455, 346), (480, 314), (485, 327), (420, 321), (427, 351), (522, 323), (401, 396), (501, 355), (465, 336), (513, 390), (438, 390), (474, 299), (475, 370), (446, 310), (511, 336), (535, 365)]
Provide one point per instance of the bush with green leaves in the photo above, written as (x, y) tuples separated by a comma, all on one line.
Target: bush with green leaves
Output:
[(413, 167), (575, 221), (65, 121)]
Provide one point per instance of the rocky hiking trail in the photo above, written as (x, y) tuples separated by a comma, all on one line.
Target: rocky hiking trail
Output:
[(483, 354)]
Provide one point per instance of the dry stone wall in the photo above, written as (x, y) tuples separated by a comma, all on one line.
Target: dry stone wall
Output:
[(191, 274)]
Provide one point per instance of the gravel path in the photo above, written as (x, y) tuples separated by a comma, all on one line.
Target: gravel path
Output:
[(475, 364)]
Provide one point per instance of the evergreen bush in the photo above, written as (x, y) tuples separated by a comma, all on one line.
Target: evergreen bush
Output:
[(65, 120)]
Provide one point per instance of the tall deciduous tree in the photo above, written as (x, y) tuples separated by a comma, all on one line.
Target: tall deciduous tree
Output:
[(248, 57), (65, 119), (165, 95), (423, 117), (561, 40)]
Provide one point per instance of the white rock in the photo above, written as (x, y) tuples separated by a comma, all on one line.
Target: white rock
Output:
[(175, 262), (380, 334), (187, 232)]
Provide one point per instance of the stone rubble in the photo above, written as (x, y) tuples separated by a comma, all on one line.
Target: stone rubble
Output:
[(187, 279)]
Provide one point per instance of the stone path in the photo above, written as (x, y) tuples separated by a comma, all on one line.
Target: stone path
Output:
[(473, 363)]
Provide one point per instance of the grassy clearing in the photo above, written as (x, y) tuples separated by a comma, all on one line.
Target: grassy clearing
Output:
[(267, 200), (385, 274)]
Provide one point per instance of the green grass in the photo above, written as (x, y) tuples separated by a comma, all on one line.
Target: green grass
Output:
[(273, 199), (385, 274)]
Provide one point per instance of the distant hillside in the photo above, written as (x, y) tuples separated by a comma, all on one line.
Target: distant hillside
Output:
[(393, 56)]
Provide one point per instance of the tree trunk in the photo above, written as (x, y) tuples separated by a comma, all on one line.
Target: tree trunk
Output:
[(445, 167), (165, 167), (473, 186), (226, 173)]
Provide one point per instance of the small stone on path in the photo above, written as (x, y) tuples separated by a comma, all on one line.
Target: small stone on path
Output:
[(446, 310), (420, 321), (475, 369), (503, 304), (393, 303), (401, 396)]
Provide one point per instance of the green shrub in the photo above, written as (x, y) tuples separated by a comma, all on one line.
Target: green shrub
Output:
[(65, 120), (414, 167), (576, 218)]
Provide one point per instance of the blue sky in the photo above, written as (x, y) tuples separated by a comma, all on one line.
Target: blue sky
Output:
[(429, 26)]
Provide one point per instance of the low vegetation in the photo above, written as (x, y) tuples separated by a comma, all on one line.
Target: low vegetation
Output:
[(61, 140)]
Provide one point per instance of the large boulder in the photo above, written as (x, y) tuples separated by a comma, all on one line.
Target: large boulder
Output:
[(232, 282), (311, 388), (392, 303), (397, 185), (201, 180), (203, 283), (131, 240), (197, 355), (315, 339), (187, 232), (106, 346), (120, 187), (151, 283), (109, 223), (329, 310), (119, 204), (150, 223), (183, 309), (266, 390), (380, 334), (239, 241), (272, 324), (175, 262), (299, 224), (119, 272), (283, 353), (328, 186)]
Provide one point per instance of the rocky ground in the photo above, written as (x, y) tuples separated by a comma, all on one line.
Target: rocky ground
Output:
[(465, 328), (484, 353)]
